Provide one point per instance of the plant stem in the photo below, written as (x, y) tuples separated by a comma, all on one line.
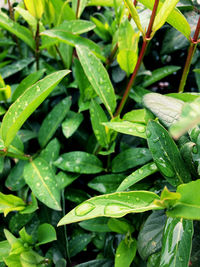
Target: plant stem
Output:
[(146, 40), (37, 44), (191, 51), (10, 10), (77, 8)]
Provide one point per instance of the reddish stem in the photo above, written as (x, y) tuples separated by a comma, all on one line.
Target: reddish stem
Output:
[(146, 40), (196, 34)]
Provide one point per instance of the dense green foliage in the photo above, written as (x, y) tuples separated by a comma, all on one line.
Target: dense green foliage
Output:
[(99, 143)]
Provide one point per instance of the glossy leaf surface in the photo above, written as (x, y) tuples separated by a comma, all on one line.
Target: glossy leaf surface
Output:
[(46, 234), (10, 203), (112, 205), (166, 154), (40, 178), (27, 103), (177, 242), (125, 253), (76, 26), (98, 77), (71, 123)]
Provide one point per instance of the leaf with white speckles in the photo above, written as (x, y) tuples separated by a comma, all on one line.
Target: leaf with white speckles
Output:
[(25, 105), (40, 178), (71, 123)]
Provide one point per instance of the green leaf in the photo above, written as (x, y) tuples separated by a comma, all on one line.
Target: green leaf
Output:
[(76, 26), (166, 108), (150, 236), (175, 18), (15, 67), (97, 117), (190, 117), (46, 234), (188, 206), (20, 31), (98, 77), (78, 243), (10, 203), (53, 120), (79, 162), (159, 74), (102, 2), (107, 183), (138, 115), (138, 175), (133, 11), (27, 103), (111, 205), (120, 226), (98, 225), (4, 250), (25, 237), (130, 158), (15, 180), (166, 154), (40, 178), (177, 243), (128, 47), (126, 127), (26, 83), (51, 152), (30, 258), (71, 123), (186, 97), (125, 253), (65, 179), (163, 14)]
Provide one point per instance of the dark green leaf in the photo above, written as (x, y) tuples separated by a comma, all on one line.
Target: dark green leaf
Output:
[(96, 225), (71, 123), (125, 253), (120, 226), (15, 180), (78, 243)]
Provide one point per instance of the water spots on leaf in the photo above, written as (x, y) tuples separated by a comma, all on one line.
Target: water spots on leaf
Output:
[(155, 140), (148, 133), (140, 129), (115, 209), (84, 209)]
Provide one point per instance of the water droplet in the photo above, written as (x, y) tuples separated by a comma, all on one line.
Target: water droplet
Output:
[(84, 209), (180, 258), (166, 170), (152, 167), (137, 199), (38, 184), (101, 81), (148, 133), (116, 209), (195, 150), (155, 140), (140, 171), (77, 169), (140, 129)]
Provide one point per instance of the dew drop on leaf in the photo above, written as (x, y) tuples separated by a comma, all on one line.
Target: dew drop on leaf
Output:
[(148, 133), (84, 209), (113, 209), (140, 129)]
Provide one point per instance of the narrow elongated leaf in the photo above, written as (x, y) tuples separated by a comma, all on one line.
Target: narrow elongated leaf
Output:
[(133, 11), (111, 205), (102, 2), (15, 180), (27, 103), (15, 67), (78, 243), (150, 236), (159, 74), (97, 117), (64, 179), (177, 243), (4, 249), (10, 203), (20, 31), (53, 120), (40, 178), (139, 116), (163, 14), (26, 83), (137, 176), (166, 154), (98, 77), (51, 151), (71, 123), (130, 158), (126, 127), (175, 18), (79, 162), (125, 253), (98, 225), (188, 206), (76, 26), (166, 108), (121, 226)]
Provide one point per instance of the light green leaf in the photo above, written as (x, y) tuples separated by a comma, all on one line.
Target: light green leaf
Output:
[(111, 205), (188, 206), (138, 115), (27, 103), (26, 83), (53, 120), (175, 18), (15, 67), (166, 154), (10, 203), (177, 243), (97, 117), (163, 14), (76, 26), (71, 123), (130, 158), (4, 250), (159, 74), (40, 178), (46, 234), (120, 226), (102, 2), (98, 77), (79, 162), (138, 175), (20, 31), (126, 127), (133, 11), (125, 253), (30, 259)]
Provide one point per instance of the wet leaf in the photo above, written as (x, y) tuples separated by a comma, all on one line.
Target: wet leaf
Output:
[(96, 225), (71, 123), (10, 203), (46, 234), (125, 253), (78, 243)]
